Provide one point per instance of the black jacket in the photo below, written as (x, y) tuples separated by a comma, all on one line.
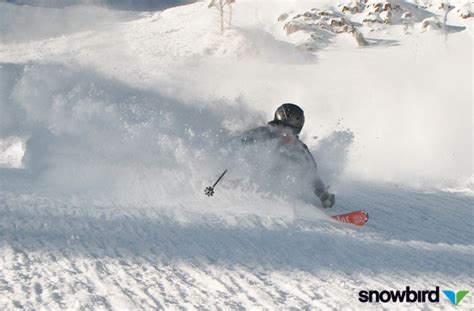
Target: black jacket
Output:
[(290, 146)]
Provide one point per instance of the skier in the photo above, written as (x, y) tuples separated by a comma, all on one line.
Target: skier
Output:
[(283, 130)]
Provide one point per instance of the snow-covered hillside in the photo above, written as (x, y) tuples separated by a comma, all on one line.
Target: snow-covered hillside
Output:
[(114, 121)]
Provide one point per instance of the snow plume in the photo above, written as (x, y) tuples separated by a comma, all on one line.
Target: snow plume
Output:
[(91, 135), (409, 107), (398, 112), (85, 131), (332, 153)]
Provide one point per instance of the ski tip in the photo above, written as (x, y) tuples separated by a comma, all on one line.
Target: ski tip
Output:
[(358, 218), (366, 214)]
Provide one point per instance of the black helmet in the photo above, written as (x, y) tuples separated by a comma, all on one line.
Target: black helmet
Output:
[(290, 115)]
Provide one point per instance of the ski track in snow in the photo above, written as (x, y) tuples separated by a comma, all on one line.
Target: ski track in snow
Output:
[(61, 254)]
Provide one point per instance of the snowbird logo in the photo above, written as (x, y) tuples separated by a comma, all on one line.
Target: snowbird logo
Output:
[(455, 298), (411, 296)]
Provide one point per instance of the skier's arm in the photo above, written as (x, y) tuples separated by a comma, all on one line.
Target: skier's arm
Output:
[(319, 188)]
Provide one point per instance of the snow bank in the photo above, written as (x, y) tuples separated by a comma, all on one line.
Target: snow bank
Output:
[(134, 5), (25, 23)]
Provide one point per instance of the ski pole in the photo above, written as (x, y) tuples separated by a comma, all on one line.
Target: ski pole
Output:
[(209, 191)]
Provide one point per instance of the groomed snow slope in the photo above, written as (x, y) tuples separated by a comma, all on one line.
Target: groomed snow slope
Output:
[(112, 126)]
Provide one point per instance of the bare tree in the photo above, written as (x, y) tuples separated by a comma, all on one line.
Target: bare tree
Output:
[(446, 8), (229, 4), (220, 6)]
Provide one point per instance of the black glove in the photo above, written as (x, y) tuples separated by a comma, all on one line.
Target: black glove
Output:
[(327, 199)]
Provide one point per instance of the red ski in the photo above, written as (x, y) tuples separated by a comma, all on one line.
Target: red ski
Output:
[(358, 218)]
